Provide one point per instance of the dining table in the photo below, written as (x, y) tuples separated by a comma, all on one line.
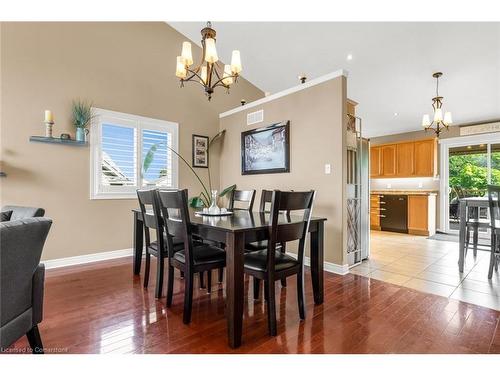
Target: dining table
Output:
[(465, 205), (235, 231)]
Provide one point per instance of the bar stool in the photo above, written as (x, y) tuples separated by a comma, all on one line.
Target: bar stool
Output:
[(474, 223), (494, 205)]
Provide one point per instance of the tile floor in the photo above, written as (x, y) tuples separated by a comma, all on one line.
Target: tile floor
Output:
[(431, 266)]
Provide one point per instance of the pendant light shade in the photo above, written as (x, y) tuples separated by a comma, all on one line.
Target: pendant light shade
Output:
[(210, 72)]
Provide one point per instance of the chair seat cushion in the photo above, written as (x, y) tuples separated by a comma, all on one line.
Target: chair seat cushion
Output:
[(257, 261), (258, 245), (178, 244), (203, 254)]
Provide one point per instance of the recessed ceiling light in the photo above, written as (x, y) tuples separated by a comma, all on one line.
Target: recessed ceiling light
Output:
[(349, 57), (396, 114)]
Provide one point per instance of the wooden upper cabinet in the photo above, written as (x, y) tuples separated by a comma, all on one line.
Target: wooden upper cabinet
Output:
[(375, 162), (388, 160), (425, 158), (405, 159)]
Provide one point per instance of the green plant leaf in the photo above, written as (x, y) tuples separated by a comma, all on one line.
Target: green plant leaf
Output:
[(148, 159), (196, 202), (82, 113), (227, 190)]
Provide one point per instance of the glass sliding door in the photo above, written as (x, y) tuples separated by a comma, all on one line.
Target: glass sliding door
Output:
[(468, 176)]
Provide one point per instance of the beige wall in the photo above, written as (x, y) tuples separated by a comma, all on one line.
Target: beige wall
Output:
[(316, 116), (125, 67)]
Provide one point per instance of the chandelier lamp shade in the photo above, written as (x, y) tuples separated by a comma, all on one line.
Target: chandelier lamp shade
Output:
[(210, 72), (440, 120)]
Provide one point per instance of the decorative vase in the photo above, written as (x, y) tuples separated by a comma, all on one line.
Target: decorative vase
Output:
[(80, 134), (214, 209)]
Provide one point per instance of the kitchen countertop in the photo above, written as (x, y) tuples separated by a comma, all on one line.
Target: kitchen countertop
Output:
[(405, 192)]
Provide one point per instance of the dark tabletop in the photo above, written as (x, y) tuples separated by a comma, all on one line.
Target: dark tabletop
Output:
[(242, 220)]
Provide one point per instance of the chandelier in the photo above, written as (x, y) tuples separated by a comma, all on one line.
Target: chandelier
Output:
[(210, 73), (439, 121)]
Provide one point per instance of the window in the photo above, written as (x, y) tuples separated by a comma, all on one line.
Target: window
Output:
[(129, 152)]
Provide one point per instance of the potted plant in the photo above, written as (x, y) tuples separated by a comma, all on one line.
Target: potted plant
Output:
[(82, 115), (207, 197)]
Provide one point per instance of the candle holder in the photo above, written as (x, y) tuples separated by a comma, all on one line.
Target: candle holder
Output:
[(48, 128)]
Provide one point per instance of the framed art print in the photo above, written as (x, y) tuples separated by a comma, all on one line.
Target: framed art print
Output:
[(266, 150), (200, 151)]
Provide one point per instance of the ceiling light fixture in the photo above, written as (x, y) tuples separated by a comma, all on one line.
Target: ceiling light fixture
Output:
[(439, 121), (396, 114), (210, 73), (349, 57)]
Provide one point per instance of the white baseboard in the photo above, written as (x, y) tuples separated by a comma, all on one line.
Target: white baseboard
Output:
[(328, 267), (88, 258), (107, 255)]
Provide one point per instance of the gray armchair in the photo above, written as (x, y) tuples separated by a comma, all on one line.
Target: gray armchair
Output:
[(22, 280), (21, 212)]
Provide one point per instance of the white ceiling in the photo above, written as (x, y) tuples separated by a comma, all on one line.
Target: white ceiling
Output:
[(391, 69)]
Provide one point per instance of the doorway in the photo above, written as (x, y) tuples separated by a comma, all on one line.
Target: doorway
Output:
[(468, 165)]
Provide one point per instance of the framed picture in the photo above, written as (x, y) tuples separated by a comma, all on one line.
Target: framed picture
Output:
[(266, 150), (200, 151)]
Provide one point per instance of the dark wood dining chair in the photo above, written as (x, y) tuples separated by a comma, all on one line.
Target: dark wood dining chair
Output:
[(152, 221), (494, 205), (194, 257), (264, 207), (265, 198), (245, 197), (271, 264)]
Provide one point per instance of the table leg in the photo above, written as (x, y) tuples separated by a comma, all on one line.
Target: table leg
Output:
[(316, 249), (463, 228), (138, 238), (235, 243)]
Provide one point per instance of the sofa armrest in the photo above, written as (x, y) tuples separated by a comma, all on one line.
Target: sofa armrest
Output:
[(37, 293)]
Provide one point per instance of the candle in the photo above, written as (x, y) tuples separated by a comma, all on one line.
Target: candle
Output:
[(48, 116)]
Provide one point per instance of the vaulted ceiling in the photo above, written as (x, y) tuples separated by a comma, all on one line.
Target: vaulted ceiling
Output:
[(390, 72)]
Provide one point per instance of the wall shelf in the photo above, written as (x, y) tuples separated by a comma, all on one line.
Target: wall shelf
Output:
[(69, 142)]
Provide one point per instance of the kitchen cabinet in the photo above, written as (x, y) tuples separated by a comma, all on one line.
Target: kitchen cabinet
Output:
[(422, 214), (404, 159), (374, 212), (388, 160), (375, 162), (425, 158)]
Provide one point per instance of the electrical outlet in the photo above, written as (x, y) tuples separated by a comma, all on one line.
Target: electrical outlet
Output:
[(389, 186), (420, 185), (328, 169)]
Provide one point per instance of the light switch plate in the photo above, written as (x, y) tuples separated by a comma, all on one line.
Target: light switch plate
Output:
[(328, 169), (420, 185), (389, 186)]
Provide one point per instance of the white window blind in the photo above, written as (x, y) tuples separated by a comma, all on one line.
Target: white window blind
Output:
[(129, 152)]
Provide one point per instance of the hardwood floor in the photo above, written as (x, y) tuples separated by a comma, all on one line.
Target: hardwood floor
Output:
[(102, 308)]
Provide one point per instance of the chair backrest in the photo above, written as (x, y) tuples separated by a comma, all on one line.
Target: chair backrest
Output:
[(22, 212), (21, 245), (494, 203), (151, 215), (245, 196), (175, 212), (265, 197), (283, 203)]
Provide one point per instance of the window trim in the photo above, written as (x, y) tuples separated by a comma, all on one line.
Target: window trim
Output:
[(138, 123)]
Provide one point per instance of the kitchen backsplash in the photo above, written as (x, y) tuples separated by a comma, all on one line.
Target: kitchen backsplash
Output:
[(424, 183)]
